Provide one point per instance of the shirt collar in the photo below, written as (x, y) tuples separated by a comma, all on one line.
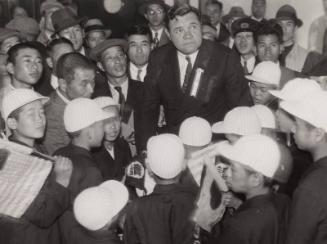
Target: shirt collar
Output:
[(193, 56)]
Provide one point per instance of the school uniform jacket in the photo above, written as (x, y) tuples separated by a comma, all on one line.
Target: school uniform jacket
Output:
[(222, 87)]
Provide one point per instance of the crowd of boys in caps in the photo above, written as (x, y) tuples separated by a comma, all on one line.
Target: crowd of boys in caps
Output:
[(126, 120)]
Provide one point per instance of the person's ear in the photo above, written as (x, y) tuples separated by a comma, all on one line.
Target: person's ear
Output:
[(10, 68), (49, 62), (319, 134), (100, 66), (62, 84), (146, 17), (256, 179), (12, 123)]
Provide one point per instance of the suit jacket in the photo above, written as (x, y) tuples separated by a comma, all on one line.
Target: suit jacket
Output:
[(113, 169), (222, 87)]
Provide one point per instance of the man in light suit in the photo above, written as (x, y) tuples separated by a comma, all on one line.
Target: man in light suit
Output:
[(190, 77)]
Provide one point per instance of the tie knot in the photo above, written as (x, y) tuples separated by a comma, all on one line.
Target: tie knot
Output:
[(188, 59), (118, 88), (156, 35)]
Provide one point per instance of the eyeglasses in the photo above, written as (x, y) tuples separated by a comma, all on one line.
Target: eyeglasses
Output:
[(155, 12)]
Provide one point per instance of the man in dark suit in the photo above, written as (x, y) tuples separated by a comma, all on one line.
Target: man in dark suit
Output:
[(112, 59), (190, 77)]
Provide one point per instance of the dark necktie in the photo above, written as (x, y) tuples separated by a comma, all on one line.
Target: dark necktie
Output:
[(138, 76), (121, 98), (156, 39), (187, 73), (245, 68)]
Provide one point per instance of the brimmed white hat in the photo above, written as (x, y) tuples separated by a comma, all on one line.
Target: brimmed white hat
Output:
[(311, 109), (96, 206), (81, 113), (266, 72), (240, 121), (266, 116), (257, 152), (195, 131), (296, 89), (165, 155), (18, 98)]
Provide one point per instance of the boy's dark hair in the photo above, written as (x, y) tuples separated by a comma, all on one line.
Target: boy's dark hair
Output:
[(56, 42), (69, 62), (14, 50), (270, 27), (139, 30), (215, 2), (181, 11)]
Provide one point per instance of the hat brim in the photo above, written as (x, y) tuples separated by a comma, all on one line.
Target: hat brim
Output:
[(259, 80), (218, 128), (296, 109), (277, 93), (67, 25), (96, 52)]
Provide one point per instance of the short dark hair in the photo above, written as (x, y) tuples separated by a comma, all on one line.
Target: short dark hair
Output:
[(270, 27), (69, 62), (56, 42), (139, 29), (181, 11), (14, 50), (216, 2)]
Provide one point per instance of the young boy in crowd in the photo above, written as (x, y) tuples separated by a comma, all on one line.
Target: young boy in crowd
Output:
[(114, 154), (83, 121), (24, 116), (162, 217), (98, 211), (254, 160), (309, 206)]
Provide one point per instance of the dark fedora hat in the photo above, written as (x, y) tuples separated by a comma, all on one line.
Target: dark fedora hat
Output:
[(234, 12), (96, 52), (63, 19), (287, 12), (143, 7)]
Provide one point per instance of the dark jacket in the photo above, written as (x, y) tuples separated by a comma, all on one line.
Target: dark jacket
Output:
[(163, 217), (113, 169), (308, 220), (222, 87), (261, 219)]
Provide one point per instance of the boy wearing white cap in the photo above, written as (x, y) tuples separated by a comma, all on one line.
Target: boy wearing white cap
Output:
[(98, 210), (309, 207), (114, 154), (22, 110), (83, 120), (254, 160), (163, 217)]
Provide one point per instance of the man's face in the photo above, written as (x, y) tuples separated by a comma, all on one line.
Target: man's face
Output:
[(258, 8), (82, 85), (114, 62), (155, 14), (112, 124), (303, 134), (285, 121), (139, 49), (214, 13), (186, 33), (268, 48), (31, 121), (8, 43), (58, 51), (75, 35), (244, 42), (28, 66), (237, 177), (259, 92), (94, 38), (289, 28)]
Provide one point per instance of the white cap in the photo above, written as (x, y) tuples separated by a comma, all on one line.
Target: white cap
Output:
[(104, 102), (296, 89), (195, 131), (96, 206), (266, 116), (81, 113), (258, 152), (266, 72), (240, 121), (165, 155), (18, 98), (311, 109)]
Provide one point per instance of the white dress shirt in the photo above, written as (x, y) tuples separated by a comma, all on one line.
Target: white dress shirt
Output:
[(158, 31), (250, 63), (133, 71), (183, 63), (114, 92)]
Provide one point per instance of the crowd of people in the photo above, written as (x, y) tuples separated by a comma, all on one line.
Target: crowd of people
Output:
[(194, 128)]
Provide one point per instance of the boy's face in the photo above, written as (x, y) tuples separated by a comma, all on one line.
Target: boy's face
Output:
[(155, 14), (284, 120), (31, 121), (82, 85), (304, 135), (8, 43), (112, 125), (28, 66), (237, 177), (259, 92), (288, 29), (244, 42), (268, 48), (75, 35), (139, 49), (94, 38), (258, 8)]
